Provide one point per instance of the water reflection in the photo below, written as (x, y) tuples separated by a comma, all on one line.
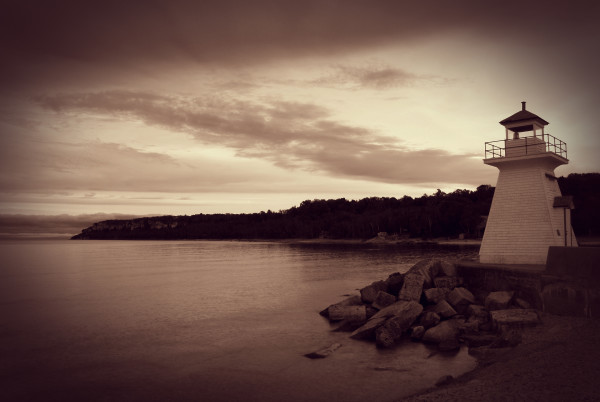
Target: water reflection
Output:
[(98, 320)]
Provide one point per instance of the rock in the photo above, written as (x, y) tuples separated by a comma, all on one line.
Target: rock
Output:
[(444, 331), (412, 287), (444, 309), (458, 321), (447, 268), (417, 332), (476, 310), (394, 283), (347, 326), (498, 300), (429, 319), (323, 353), (384, 337), (383, 299), (435, 295), (469, 327), (351, 314), (408, 311), (480, 295), (393, 329), (401, 308), (444, 380), (479, 315), (520, 303), (427, 269), (369, 293), (371, 311), (449, 345), (475, 341), (367, 331), (460, 299), (350, 301), (447, 282), (514, 318)]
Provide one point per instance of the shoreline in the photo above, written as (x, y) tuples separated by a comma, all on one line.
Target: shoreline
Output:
[(373, 241), (583, 241), (556, 361)]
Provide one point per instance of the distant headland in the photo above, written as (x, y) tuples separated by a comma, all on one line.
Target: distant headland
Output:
[(460, 214)]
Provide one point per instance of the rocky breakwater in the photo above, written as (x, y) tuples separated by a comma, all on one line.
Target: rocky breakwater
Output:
[(429, 303)]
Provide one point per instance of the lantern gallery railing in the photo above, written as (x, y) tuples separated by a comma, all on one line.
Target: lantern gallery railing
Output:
[(525, 146)]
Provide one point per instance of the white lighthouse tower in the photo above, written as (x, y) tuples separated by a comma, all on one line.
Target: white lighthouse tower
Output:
[(528, 213)]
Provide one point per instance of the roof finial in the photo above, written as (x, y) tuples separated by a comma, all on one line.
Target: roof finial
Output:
[(523, 105)]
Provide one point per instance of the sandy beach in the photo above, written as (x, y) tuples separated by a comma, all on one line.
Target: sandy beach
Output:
[(558, 360)]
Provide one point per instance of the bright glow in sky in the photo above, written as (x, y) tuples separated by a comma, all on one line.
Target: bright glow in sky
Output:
[(182, 107)]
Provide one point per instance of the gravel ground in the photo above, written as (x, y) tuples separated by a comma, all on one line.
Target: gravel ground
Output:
[(558, 360)]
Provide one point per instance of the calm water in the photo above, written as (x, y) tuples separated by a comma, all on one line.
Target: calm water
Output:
[(202, 321)]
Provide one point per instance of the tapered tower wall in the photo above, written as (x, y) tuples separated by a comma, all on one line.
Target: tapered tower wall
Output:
[(522, 223)]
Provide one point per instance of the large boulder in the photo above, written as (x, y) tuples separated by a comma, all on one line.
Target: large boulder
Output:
[(447, 282), (394, 283), (476, 310), (412, 287), (469, 327), (447, 268), (460, 299), (427, 269), (408, 311), (514, 318), (350, 301), (435, 295), (393, 329), (429, 319), (498, 300), (401, 308), (367, 331), (444, 309), (351, 314), (445, 331), (417, 332), (480, 315), (383, 300), (369, 293)]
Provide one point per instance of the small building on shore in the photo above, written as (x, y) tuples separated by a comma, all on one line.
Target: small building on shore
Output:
[(528, 212)]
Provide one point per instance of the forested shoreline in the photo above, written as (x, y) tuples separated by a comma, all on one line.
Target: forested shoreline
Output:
[(429, 216)]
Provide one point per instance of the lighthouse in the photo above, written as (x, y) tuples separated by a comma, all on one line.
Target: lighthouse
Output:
[(528, 212)]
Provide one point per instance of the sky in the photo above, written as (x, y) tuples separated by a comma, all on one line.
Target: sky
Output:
[(232, 106)]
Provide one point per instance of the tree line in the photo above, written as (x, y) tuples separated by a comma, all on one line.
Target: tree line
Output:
[(429, 216)]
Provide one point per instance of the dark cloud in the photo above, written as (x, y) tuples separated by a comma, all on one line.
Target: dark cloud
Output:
[(290, 135), (71, 40), (374, 77)]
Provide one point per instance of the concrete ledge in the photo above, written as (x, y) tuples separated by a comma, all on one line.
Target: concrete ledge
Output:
[(576, 262), (525, 280)]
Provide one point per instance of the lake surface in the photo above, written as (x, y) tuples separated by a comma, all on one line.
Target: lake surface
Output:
[(199, 321)]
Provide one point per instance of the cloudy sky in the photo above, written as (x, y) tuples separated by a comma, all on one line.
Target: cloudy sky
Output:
[(183, 107)]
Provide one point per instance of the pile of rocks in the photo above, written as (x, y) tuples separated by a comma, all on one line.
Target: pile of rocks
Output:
[(430, 303)]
